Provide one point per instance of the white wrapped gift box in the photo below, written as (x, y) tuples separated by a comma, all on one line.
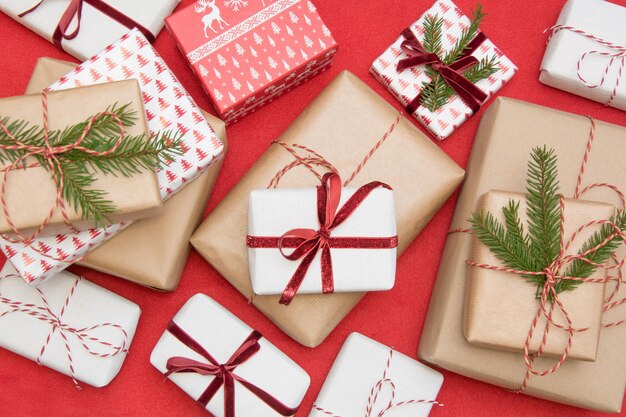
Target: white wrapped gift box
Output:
[(97, 28), (79, 305), (273, 212), (220, 333), (168, 108), (361, 365), (562, 64)]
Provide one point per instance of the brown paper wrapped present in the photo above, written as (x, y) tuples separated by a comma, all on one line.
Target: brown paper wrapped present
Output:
[(343, 124), (31, 193), (508, 132), (152, 252), (500, 306)]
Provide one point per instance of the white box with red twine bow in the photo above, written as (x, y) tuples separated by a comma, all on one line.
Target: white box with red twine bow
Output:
[(406, 85), (586, 52), (168, 107), (322, 240), (70, 325), (84, 27), (226, 366), (371, 379)]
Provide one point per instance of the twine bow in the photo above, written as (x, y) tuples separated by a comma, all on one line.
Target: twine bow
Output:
[(75, 11), (49, 153), (618, 56), (307, 242), (471, 95), (375, 397), (224, 373), (84, 334)]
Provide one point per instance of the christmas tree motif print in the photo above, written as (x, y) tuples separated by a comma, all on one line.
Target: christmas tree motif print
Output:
[(214, 15)]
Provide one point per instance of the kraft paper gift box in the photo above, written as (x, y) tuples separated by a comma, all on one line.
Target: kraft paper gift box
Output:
[(91, 317), (97, 23), (406, 85), (342, 124), (31, 193), (274, 212), (247, 53), (360, 366), (500, 306), (578, 61), (168, 107), (204, 337), (507, 133), (154, 251)]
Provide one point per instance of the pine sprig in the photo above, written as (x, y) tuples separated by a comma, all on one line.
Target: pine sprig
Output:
[(76, 168), (436, 92)]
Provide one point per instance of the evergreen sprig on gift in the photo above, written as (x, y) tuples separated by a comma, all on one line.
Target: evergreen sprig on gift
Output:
[(437, 92), (538, 247), (76, 168)]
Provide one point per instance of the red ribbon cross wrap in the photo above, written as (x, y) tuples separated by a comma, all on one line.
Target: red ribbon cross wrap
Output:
[(224, 373), (471, 95), (307, 242), (75, 11)]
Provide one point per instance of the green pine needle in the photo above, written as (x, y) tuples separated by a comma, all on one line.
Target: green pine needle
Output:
[(432, 34), (134, 155)]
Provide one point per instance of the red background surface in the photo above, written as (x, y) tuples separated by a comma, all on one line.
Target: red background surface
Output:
[(363, 29)]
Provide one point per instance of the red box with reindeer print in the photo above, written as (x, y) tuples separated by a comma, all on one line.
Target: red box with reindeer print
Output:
[(248, 52)]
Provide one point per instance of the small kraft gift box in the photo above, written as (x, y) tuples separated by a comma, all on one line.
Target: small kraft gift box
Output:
[(247, 53), (226, 366), (370, 376), (322, 240), (443, 68), (84, 27), (586, 52), (67, 324)]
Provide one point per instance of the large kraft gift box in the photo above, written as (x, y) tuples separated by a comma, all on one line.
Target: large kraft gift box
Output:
[(342, 124), (154, 251), (508, 132), (31, 193)]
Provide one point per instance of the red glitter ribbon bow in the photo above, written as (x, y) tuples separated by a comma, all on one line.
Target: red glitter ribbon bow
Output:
[(224, 373), (307, 242), (75, 10), (471, 95)]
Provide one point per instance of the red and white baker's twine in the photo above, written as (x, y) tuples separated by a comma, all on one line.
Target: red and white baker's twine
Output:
[(83, 335), (49, 152), (375, 396), (553, 276), (619, 55)]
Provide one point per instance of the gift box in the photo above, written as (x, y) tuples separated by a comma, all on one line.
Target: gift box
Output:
[(168, 107), (83, 28), (361, 249), (248, 53), (586, 52), (151, 252), (507, 133), (69, 325), (407, 83), (225, 365), (344, 124), (501, 306), (31, 193), (369, 375)]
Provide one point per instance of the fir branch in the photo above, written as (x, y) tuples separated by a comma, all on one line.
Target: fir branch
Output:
[(467, 36), (433, 30)]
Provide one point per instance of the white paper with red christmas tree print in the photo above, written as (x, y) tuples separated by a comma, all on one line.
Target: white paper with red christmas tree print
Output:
[(406, 85), (168, 107)]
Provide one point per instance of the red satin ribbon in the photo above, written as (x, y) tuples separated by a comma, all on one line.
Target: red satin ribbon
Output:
[(308, 241), (471, 95), (75, 10), (224, 373)]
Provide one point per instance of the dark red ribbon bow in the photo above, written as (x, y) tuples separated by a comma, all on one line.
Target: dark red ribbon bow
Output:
[(307, 242), (75, 10), (224, 373), (471, 95)]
